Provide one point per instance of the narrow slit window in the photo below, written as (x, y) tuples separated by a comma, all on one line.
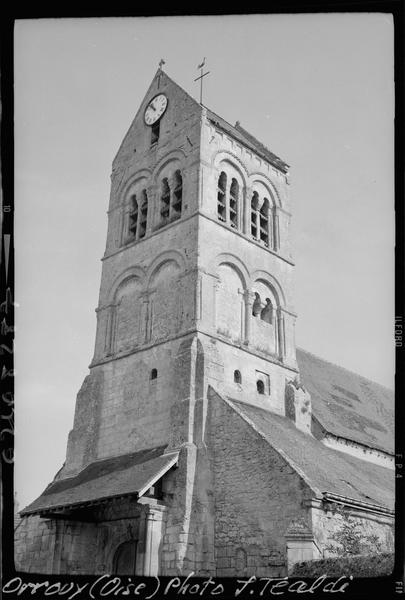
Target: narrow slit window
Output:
[(133, 217), (237, 377), (233, 203), (153, 374), (155, 133), (276, 231), (260, 386), (165, 201), (177, 195), (143, 217), (221, 201)]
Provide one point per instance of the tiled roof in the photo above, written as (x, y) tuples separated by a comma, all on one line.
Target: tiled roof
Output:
[(243, 136), (348, 405), (327, 470), (118, 476)]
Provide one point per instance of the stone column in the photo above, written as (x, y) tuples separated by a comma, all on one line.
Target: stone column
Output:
[(246, 212), (276, 229), (145, 324), (215, 288), (227, 197), (249, 298), (153, 539), (271, 226), (124, 236), (281, 333), (153, 208), (109, 330)]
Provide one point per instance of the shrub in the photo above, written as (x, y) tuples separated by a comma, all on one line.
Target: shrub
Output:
[(358, 566)]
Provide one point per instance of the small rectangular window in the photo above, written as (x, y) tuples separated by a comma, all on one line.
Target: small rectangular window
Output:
[(155, 133)]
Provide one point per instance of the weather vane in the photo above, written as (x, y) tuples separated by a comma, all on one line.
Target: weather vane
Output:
[(201, 66)]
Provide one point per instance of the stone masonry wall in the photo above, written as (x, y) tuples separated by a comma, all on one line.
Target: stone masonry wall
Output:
[(257, 495), (34, 541), (132, 411), (55, 546), (76, 547), (326, 523), (223, 359)]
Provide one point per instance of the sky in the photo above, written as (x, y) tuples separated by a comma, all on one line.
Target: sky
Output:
[(318, 90)]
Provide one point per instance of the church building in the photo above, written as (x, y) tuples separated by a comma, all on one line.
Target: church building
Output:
[(203, 441)]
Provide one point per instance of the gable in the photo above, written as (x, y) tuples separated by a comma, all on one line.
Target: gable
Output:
[(348, 405), (182, 114), (325, 470)]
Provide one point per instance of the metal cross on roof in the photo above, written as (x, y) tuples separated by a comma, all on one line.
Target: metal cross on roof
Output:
[(201, 66), (161, 63)]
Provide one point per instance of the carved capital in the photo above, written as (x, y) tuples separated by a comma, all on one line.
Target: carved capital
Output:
[(249, 192), (151, 190), (249, 296)]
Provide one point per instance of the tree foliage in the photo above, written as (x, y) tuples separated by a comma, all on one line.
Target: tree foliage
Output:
[(350, 539)]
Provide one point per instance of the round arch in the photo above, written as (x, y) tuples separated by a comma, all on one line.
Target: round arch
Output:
[(272, 282), (267, 183), (233, 261), (166, 256), (223, 156), (133, 180), (175, 156), (131, 272)]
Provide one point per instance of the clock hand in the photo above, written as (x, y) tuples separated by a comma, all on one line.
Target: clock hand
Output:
[(151, 105)]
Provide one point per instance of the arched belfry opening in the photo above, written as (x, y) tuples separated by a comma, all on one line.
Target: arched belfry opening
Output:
[(264, 330)]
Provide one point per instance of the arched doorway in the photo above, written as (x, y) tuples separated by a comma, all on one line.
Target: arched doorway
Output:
[(124, 562)]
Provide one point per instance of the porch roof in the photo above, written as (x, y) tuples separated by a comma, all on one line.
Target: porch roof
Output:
[(127, 475)]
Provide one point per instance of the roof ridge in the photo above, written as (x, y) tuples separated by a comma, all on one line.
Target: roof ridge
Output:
[(245, 132)]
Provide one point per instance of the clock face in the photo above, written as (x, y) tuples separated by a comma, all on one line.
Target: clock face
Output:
[(155, 109)]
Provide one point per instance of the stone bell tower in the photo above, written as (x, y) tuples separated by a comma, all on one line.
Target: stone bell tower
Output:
[(197, 245), (195, 296)]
